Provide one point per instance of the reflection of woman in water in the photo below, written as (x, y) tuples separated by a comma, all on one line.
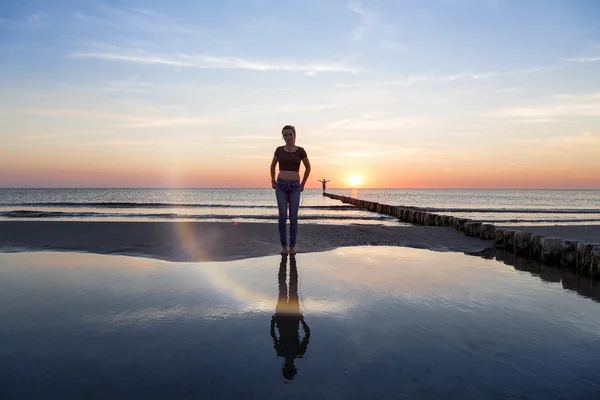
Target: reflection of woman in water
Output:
[(287, 318)]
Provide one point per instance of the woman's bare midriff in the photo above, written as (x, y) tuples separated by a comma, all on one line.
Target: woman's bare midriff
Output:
[(289, 175)]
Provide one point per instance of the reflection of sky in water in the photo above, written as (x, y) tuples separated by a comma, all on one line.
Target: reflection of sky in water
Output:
[(383, 321)]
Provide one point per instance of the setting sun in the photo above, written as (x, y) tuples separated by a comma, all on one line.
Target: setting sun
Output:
[(355, 180)]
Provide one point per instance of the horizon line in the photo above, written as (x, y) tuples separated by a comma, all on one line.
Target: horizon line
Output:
[(315, 188)]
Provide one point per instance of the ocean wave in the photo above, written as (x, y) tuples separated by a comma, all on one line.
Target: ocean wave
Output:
[(39, 214), (161, 205), (514, 210), (32, 214), (134, 205), (510, 221)]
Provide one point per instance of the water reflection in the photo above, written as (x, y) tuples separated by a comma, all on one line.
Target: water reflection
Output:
[(569, 280), (287, 320)]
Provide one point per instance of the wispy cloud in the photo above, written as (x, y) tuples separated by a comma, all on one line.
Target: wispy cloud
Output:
[(135, 19), (384, 34), (367, 18), (79, 113), (410, 80), (579, 141), (580, 97), (243, 146), (128, 120), (433, 78), (516, 71), (127, 86), (33, 21), (487, 3), (353, 150), (546, 113), (368, 123), (147, 122), (508, 90), (562, 105), (285, 109), (146, 143), (43, 137), (249, 137), (274, 90), (173, 116), (215, 62), (583, 60)]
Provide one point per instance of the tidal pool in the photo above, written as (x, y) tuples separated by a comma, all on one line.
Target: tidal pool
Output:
[(353, 323)]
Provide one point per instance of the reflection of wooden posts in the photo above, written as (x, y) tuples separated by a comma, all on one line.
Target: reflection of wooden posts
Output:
[(580, 256), (324, 182)]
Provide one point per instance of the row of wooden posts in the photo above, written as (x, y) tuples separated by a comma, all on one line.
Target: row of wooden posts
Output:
[(581, 257)]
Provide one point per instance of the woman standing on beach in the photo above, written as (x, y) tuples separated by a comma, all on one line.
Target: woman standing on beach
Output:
[(288, 186)]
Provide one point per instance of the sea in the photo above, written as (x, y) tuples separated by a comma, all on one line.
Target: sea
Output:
[(502, 207)]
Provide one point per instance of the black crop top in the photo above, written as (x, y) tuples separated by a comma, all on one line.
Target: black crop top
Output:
[(290, 161)]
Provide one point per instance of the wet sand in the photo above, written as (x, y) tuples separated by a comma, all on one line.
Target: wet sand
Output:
[(218, 241)]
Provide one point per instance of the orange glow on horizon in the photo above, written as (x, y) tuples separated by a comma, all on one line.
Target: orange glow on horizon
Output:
[(218, 173), (154, 179)]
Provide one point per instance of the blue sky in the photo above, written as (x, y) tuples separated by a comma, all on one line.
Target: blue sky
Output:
[(446, 92)]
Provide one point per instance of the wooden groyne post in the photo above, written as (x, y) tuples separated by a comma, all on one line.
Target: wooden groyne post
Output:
[(581, 257)]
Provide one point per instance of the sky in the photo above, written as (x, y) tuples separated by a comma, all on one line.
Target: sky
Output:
[(403, 93)]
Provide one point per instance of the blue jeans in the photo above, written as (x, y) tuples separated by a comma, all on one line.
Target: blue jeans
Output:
[(288, 193)]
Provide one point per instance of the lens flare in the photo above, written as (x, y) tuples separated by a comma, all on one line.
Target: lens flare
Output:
[(198, 248)]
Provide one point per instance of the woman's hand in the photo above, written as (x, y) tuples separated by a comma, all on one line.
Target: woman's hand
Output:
[(274, 184), (302, 187)]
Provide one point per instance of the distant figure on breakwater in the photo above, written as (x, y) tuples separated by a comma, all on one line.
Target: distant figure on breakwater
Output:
[(324, 184)]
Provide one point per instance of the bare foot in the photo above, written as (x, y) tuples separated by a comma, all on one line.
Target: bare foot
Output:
[(292, 251), (284, 251)]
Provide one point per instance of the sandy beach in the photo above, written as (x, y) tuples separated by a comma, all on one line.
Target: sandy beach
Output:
[(216, 241)]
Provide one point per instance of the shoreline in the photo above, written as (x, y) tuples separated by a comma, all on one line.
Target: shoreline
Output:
[(218, 241), (224, 241)]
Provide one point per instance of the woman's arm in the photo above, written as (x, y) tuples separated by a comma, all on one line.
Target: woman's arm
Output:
[(273, 164), (306, 172)]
